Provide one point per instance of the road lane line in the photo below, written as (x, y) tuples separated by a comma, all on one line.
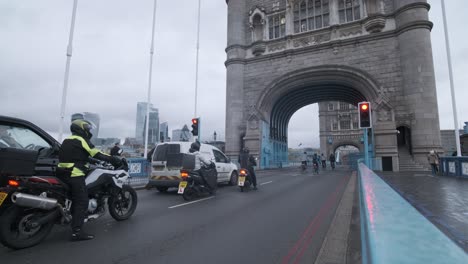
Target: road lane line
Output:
[(263, 183), (201, 200)]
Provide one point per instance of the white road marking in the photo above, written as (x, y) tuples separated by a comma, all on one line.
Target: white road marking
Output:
[(196, 201), (263, 183)]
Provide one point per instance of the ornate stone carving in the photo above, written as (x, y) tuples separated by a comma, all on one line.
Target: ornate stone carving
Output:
[(384, 116), (311, 40), (276, 6), (277, 47), (258, 48), (351, 32), (253, 123), (335, 49), (375, 24), (302, 42)]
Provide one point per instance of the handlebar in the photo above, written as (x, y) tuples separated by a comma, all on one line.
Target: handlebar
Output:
[(99, 164)]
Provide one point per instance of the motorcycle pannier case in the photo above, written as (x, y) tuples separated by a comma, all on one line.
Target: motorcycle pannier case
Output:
[(17, 162)]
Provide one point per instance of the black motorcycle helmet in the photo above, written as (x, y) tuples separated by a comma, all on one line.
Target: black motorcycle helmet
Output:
[(195, 146), (82, 128)]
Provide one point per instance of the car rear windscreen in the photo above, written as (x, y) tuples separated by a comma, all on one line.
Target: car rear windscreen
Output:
[(163, 150)]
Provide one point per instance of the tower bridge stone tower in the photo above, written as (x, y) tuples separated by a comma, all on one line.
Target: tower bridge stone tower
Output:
[(286, 54)]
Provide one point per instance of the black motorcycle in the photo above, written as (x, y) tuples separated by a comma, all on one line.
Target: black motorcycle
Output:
[(198, 183), (31, 205), (244, 182)]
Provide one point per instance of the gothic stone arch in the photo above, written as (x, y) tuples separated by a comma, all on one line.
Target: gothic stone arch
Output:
[(373, 58)]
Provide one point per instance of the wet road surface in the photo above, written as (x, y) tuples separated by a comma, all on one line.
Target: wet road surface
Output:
[(285, 221)]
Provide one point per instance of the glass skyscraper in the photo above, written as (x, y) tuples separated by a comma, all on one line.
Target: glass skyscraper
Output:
[(153, 131)]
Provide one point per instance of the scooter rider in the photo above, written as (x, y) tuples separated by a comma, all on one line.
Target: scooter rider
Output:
[(73, 158), (316, 160), (248, 161), (199, 158)]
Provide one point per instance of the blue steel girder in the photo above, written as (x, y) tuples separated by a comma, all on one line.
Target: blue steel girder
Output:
[(285, 107)]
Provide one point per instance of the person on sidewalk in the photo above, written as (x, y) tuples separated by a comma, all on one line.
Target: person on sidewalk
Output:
[(433, 159)]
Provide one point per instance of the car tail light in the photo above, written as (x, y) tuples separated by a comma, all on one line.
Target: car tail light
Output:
[(13, 183), (184, 174)]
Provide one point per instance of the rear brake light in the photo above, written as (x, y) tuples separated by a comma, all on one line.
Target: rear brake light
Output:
[(243, 172), (13, 183), (184, 174)]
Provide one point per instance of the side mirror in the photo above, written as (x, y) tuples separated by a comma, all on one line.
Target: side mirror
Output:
[(55, 147)]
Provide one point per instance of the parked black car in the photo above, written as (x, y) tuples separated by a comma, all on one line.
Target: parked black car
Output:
[(25, 149)]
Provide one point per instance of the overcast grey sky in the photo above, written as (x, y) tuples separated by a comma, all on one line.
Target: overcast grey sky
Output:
[(109, 69)]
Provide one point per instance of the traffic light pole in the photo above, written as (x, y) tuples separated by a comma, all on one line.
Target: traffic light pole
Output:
[(366, 148)]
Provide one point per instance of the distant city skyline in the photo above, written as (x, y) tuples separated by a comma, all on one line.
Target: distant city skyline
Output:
[(153, 131)]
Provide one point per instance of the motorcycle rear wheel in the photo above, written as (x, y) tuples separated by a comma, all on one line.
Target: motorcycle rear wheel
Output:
[(14, 232), (189, 194), (125, 199)]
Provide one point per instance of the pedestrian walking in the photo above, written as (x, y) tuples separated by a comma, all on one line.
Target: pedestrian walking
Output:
[(433, 159)]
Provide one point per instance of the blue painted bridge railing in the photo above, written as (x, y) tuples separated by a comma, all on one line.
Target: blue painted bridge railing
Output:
[(139, 170), (454, 166), (393, 231)]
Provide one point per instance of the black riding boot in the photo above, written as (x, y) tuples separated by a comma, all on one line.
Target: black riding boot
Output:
[(80, 235)]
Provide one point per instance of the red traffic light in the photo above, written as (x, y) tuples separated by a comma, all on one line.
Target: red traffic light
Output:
[(365, 117), (194, 120)]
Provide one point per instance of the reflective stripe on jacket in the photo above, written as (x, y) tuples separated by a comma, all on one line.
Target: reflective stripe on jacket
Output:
[(74, 154)]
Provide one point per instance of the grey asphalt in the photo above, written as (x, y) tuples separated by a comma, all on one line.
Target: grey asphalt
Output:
[(442, 200), (285, 221)]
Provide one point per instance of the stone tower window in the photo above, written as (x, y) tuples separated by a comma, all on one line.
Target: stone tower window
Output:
[(344, 106), (345, 125), (330, 107), (335, 126), (311, 15), (355, 125), (349, 10), (277, 25)]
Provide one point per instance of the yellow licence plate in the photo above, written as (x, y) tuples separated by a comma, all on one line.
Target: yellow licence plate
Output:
[(182, 186), (3, 196), (241, 181)]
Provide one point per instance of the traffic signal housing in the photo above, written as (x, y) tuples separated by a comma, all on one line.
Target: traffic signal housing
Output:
[(365, 117), (195, 126)]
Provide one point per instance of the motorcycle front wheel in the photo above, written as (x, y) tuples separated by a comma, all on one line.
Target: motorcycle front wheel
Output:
[(123, 203), (15, 231)]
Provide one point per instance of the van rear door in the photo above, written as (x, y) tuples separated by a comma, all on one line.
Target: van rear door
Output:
[(161, 153)]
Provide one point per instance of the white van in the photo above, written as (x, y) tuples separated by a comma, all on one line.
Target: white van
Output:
[(163, 177)]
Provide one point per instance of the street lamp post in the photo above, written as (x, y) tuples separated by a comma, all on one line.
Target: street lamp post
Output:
[(150, 79), (67, 71), (196, 62), (452, 88)]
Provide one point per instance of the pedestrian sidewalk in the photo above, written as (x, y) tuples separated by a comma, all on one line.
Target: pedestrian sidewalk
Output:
[(443, 200)]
